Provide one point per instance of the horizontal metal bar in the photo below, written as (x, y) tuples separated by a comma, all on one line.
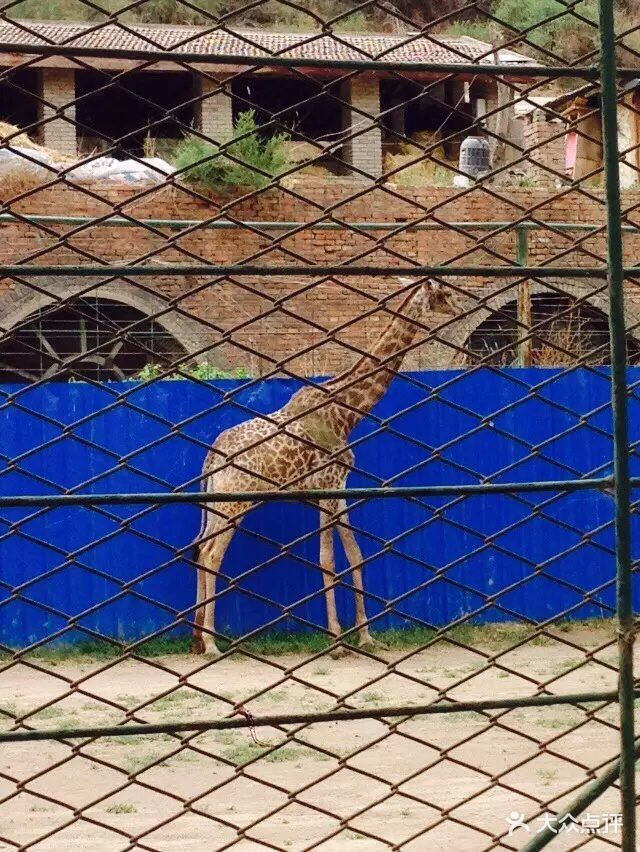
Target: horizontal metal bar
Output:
[(528, 70), (227, 224), (305, 718), (27, 271), (163, 498)]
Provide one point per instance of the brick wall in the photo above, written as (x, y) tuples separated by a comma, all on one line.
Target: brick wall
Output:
[(259, 322)]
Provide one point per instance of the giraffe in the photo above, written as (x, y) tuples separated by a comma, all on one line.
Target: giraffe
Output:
[(303, 445)]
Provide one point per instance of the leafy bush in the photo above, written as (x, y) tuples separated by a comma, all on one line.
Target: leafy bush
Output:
[(175, 12), (269, 14), (202, 371), (259, 158), (565, 32), (475, 28), (52, 10)]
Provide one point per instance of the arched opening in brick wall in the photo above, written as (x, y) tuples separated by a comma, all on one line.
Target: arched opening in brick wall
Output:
[(92, 338), (567, 331)]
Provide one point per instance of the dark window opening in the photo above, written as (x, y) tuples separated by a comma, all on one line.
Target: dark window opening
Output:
[(91, 333), (126, 108), (305, 109), (569, 333), (411, 108), (19, 95)]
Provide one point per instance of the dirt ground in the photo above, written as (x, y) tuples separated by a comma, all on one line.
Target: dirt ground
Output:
[(421, 784)]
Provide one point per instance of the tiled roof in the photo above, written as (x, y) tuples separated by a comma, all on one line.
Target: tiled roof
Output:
[(590, 92), (255, 44)]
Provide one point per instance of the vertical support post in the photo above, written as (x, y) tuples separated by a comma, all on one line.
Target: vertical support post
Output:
[(214, 113), (620, 421), (59, 92), (365, 150), (525, 347)]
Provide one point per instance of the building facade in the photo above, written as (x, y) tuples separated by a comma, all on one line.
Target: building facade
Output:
[(128, 106)]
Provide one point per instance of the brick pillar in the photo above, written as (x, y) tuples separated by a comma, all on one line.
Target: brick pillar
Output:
[(59, 90), (215, 113), (537, 129), (365, 151)]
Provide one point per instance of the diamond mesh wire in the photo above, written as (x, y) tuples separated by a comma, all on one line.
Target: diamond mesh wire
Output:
[(313, 492)]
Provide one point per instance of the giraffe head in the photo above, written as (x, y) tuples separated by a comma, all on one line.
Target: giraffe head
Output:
[(430, 297)]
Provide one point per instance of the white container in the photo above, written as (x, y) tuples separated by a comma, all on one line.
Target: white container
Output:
[(475, 156)]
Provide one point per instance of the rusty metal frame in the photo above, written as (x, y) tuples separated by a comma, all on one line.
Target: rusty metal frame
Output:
[(523, 81)]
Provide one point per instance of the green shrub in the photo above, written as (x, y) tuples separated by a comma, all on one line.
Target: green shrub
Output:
[(476, 28), (175, 12), (565, 34), (203, 371), (151, 11), (259, 158), (270, 14), (356, 22), (52, 10)]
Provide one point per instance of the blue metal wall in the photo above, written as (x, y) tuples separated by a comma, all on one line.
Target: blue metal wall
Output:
[(487, 423)]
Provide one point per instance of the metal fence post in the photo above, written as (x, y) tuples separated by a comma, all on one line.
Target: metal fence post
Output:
[(620, 419), (525, 348)]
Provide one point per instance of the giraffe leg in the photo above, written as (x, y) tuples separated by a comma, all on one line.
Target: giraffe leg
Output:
[(327, 564), (354, 558), (212, 554), (197, 645)]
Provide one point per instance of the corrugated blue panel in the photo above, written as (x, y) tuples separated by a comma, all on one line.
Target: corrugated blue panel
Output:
[(448, 554)]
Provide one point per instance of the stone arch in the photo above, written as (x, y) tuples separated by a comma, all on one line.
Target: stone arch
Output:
[(23, 301), (17, 304), (573, 288)]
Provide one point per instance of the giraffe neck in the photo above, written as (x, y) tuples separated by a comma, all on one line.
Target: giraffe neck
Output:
[(329, 412), (356, 391)]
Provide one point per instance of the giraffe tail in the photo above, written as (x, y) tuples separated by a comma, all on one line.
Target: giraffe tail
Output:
[(195, 544)]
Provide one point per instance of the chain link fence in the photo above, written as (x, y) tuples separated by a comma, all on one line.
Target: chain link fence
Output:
[(318, 344)]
